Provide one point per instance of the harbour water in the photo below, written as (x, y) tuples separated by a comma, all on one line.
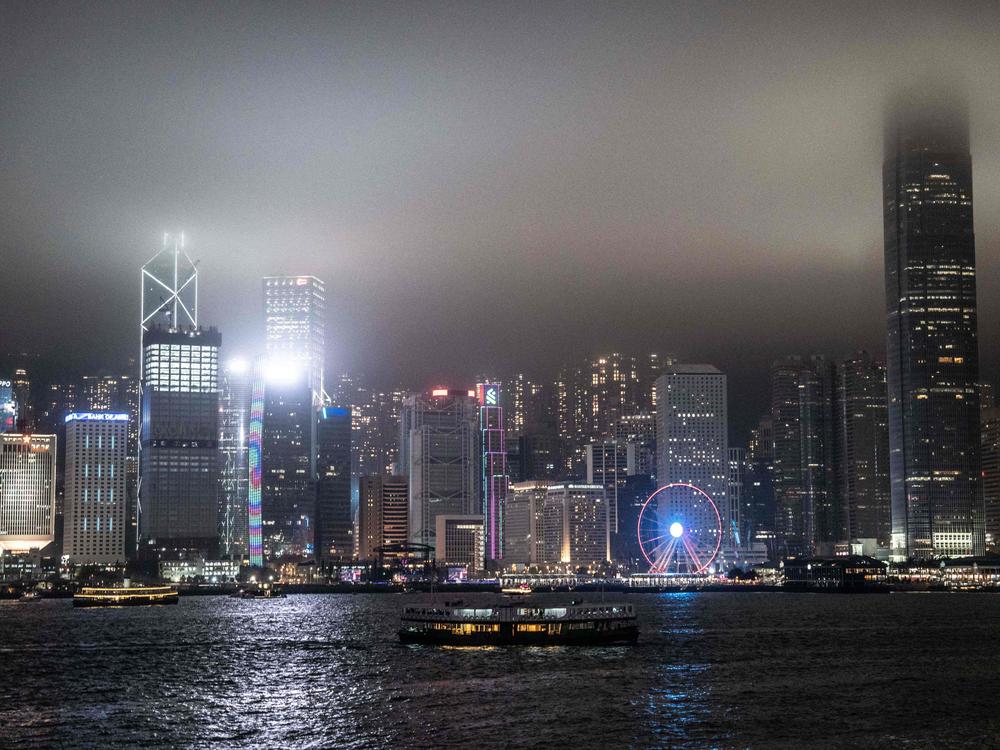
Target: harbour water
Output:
[(326, 671)]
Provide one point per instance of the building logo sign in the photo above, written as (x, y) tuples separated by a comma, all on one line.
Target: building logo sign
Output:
[(96, 416)]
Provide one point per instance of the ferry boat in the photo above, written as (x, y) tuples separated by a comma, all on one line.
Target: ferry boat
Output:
[(124, 596), (519, 624), (522, 590)]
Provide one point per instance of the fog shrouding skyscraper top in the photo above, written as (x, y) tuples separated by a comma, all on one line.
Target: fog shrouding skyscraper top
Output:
[(933, 354), (295, 323)]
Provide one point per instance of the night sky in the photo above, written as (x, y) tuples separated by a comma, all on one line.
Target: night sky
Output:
[(483, 187)]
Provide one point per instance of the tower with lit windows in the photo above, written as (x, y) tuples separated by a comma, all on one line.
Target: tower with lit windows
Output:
[(933, 352), (96, 499)]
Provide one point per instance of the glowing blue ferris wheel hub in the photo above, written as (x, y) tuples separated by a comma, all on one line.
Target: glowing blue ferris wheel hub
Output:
[(676, 530)]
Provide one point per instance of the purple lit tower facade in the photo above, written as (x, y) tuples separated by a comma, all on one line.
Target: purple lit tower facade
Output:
[(494, 466), (255, 544)]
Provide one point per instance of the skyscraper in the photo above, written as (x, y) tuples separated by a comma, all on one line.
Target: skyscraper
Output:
[(234, 468), (334, 524), (96, 499), (288, 493), (524, 536), (178, 495), (439, 450), (933, 353), (791, 523), (382, 517), (295, 324), (692, 434), (493, 463), (575, 525), (864, 439), (27, 491)]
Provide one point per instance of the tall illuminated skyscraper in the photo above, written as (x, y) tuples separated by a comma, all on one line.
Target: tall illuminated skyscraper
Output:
[(234, 484), (692, 434), (288, 494), (494, 466), (295, 324), (178, 492), (933, 352)]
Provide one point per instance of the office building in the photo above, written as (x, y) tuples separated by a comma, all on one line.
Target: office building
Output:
[(383, 509), (759, 508), (439, 451), (524, 528), (933, 352), (609, 464), (27, 491), (493, 463), (576, 529), (288, 492), (179, 439), (692, 434), (234, 467), (864, 442), (295, 324), (96, 499), (461, 541), (334, 524), (990, 442)]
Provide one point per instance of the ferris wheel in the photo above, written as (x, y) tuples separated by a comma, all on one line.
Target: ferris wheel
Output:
[(680, 530)]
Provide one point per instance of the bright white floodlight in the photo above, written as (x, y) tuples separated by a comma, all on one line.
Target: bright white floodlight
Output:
[(676, 530)]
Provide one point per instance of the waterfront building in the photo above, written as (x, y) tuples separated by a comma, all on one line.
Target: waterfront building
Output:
[(460, 541), (334, 524), (439, 451), (609, 464), (824, 517), (692, 434), (990, 442), (27, 491), (295, 325), (234, 467), (493, 463), (737, 464), (288, 493), (383, 517), (524, 529), (96, 499), (759, 509), (199, 570), (179, 440), (864, 441), (933, 352), (576, 529)]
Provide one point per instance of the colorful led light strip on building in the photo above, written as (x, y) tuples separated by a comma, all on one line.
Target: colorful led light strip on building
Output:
[(494, 466), (256, 544)]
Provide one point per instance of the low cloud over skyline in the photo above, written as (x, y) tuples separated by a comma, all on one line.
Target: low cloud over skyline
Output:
[(494, 187)]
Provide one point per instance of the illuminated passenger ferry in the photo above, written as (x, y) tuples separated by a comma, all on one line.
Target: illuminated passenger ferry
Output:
[(124, 596), (573, 624)]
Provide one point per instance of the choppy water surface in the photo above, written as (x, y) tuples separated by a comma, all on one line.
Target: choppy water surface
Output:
[(711, 670)]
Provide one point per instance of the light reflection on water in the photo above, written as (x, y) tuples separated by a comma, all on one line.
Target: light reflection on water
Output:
[(721, 670)]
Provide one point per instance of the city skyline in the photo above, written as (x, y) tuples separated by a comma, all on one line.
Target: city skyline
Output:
[(690, 198)]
